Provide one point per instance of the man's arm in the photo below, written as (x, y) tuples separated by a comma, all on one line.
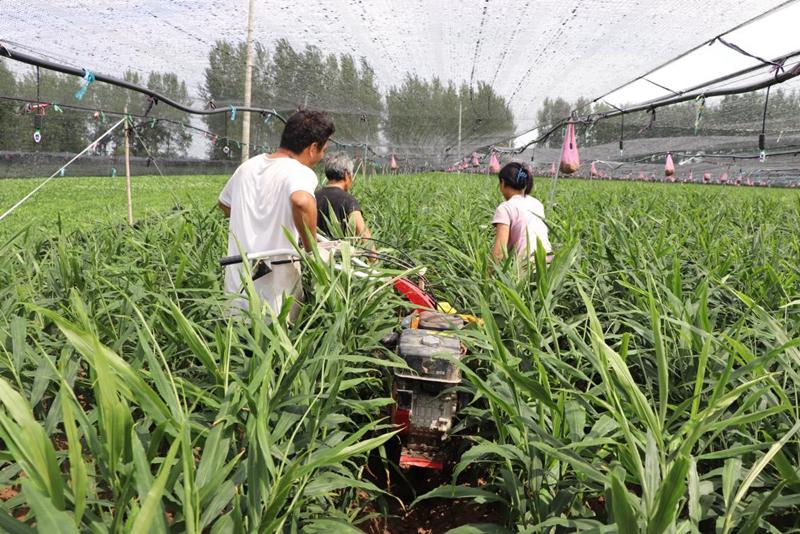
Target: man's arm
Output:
[(225, 209), (357, 219), (500, 241), (304, 214)]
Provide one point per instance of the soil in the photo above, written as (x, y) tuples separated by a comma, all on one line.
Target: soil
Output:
[(434, 516), (8, 493), (431, 516)]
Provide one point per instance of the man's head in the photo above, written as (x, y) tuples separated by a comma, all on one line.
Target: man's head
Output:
[(306, 135), (339, 170)]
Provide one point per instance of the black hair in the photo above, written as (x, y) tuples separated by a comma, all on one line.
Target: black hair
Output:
[(517, 176), (305, 128)]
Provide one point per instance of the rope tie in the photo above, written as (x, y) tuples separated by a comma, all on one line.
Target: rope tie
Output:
[(151, 101), (777, 65), (700, 101), (86, 81), (652, 121), (762, 137)]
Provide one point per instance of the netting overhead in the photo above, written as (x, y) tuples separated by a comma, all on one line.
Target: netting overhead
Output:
[(409, 80)]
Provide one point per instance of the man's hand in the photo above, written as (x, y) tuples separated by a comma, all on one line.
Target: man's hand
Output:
[(360, 225), (225, 209), (304, 214), (357, 219)]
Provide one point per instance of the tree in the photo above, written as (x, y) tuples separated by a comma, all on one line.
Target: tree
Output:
[(61, 132), (289, 80), (9, 122), (164, 138), (422, 119), (552, 112), (224, 86)]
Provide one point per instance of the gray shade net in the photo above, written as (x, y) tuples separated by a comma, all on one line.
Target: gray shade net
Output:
[(397, 76)]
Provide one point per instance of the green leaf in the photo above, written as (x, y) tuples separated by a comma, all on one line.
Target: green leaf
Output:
[(753, 473), (14, 526), (625, 515), (48, 517), (26, 440), (479, 495), (77, 467), (195, 342), (479, 528), (672, 489), (152, 503), (325, 526)]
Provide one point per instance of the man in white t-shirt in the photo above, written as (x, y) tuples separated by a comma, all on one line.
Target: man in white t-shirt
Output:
[(270, 194)]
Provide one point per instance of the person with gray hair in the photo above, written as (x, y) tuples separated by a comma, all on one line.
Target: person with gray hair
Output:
[(336, 207)]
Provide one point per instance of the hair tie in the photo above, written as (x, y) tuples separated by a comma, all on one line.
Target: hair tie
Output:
[(522, 175)]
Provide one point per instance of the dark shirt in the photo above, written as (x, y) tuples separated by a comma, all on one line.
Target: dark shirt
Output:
[(340, 202)]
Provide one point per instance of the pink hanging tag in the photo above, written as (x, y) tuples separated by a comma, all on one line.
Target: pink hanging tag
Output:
[(553, 169), (393, 164), (706, 177), (494, 164), (475, 161), (724, 178), (570, 159), (669, 167), (594, 170)]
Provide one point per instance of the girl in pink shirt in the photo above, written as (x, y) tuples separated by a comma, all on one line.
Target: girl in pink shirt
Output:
[(519, 221)]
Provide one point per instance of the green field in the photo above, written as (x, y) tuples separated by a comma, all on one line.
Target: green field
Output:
[(646, 380), (85, 203)]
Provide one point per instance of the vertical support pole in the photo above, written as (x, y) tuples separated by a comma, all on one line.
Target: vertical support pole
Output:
[(460, 155), (128, 167), (248, 85), (552, 200), (366, 147)]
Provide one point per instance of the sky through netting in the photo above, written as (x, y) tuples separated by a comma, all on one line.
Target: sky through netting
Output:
[(394, 73)]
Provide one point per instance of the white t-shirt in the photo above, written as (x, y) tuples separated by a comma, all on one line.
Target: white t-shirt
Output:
[(259, 194), (524, 216)]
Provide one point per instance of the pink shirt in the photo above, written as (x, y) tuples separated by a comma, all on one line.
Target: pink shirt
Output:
[(524, 216)]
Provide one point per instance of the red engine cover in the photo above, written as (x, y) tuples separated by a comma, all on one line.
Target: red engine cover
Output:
[(402, 418), (414, 294)]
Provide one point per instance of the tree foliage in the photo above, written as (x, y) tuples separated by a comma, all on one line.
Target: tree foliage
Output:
[(69, 130), (287, 80), (422, 116)]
